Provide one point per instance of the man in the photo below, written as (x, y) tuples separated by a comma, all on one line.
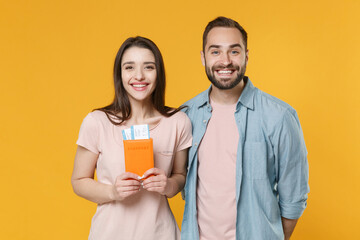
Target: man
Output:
[(247, 171)]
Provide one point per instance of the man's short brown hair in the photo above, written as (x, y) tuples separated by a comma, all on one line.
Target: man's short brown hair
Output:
[(224, 22)]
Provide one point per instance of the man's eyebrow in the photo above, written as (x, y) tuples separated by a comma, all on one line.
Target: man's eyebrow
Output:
[(231, 46), (214, 46), (236, 45)]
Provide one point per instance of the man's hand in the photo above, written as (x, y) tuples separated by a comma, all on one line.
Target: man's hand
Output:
[(288, 226)]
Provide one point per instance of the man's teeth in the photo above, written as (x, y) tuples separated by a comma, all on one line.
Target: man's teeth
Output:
[(225, 71), (139, 85)]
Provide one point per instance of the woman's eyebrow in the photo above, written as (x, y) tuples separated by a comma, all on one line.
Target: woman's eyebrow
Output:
[(128, 63), (131, 62)]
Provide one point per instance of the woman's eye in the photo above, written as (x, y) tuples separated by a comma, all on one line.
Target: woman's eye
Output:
[(150, 67), (128, 67)]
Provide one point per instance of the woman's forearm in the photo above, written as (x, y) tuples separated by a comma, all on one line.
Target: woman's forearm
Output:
[(93, 190), (177, 179), (176, 183)]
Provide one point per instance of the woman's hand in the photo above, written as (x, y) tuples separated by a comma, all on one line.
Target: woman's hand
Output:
[(156, 181), (126, 185)]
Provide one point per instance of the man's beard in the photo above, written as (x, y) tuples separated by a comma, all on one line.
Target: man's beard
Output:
[(225, 85)]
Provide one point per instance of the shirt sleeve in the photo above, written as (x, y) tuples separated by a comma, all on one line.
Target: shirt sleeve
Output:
[(89, 134), (184, 129), (293, 170)]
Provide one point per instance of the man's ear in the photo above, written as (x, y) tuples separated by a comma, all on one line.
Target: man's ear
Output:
[(202, 58), (246, 57)]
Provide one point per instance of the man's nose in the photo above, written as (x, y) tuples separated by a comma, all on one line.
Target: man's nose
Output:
[(225, 59)]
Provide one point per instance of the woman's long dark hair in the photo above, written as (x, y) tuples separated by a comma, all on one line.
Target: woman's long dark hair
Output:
[(120, 109)]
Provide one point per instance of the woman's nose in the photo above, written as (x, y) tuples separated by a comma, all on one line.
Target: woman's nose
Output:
[(139, 75)]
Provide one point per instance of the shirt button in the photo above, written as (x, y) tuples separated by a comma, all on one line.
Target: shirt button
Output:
[(204, 121), (196, 144)]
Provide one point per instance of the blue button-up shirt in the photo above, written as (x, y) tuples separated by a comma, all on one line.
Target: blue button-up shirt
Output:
[(271, 165)]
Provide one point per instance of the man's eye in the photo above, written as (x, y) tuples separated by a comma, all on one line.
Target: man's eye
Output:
[(234, 52), (215, 52)]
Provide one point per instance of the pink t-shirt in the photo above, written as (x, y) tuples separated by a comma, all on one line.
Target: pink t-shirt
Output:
[(216, 195), (145, 215)]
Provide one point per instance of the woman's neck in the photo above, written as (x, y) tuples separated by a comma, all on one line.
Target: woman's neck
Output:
[(142, 112)]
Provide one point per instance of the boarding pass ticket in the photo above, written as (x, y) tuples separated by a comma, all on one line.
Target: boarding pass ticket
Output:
[(136, 132)]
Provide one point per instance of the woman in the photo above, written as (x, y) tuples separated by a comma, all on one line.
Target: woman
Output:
[(129, 208)]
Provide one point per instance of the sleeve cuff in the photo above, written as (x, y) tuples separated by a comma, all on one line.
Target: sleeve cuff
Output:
[(293, 210), (88, 147), (186, 145)]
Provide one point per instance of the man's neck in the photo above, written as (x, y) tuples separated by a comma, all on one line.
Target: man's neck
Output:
[(229, 96)]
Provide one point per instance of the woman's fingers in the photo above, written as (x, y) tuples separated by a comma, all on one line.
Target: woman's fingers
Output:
[(126, 184), (156, 181), (128, 188), (129, 175), (153, 171)]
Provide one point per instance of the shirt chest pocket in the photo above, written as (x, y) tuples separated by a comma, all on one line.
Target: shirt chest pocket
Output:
[(255, 162)]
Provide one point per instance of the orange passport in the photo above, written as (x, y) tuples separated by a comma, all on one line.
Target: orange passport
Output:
[(139, 155)]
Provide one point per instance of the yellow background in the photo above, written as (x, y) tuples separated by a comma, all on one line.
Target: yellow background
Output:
[(56, 60)]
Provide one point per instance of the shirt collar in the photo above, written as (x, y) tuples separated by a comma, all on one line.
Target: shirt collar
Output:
[(246, 98)]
